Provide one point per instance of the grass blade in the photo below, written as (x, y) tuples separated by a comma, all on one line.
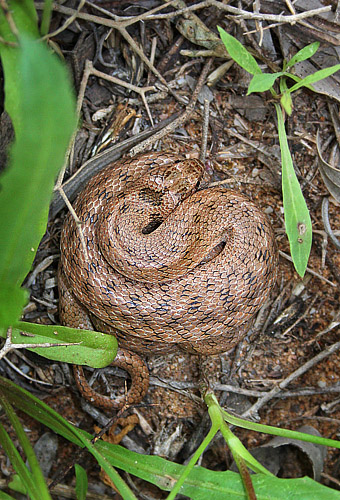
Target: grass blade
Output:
[(315, 77), (36, 485), (17, 462), (297, 218), (5, 496), (81, 482), (31, 405), (200, 484)]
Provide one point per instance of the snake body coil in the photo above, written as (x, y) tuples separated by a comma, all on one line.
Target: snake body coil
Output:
[(166, 266)]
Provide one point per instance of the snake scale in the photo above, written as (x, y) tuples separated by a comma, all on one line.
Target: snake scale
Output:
[(168, 264)]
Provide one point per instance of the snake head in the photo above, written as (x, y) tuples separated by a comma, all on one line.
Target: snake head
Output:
[(182, 178)]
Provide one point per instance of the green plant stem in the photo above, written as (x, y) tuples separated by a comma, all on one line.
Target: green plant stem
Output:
[(242, 457), (216, 416), (276, 431), (46, 17), (213, 430), (246, 479)]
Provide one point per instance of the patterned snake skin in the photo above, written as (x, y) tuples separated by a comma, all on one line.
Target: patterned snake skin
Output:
[(167, 266)]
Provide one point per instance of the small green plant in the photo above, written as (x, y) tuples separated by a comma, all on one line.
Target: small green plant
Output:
[(297, 219)]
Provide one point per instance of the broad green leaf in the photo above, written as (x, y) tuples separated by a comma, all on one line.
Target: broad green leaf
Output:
[(316, 77), (12, 301), (239, 53), (16, 484), (262, 82), (81, 482), (201, 483), (303, 54), (46, 108), (26, 21), (96, 349), (286, 102), (297, 219), (37, 478)]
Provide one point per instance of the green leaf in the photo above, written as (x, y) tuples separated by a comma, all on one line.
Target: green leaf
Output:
[(104, 462), (12, 301), (81, 482), (96, 349), (16, 484), (297, 219), (239, 53), (303, 54), (25, 18), (39, 489), (46, 109), (16, 460), (262, 82), (315, 77), (297, 79), (203, 483)]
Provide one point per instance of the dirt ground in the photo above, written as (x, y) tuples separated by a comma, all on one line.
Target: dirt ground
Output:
[(301, 319)]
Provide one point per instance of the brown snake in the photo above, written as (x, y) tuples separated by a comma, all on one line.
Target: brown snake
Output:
[(167, 266)]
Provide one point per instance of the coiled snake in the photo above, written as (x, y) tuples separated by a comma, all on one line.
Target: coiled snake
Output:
[(168, 265)]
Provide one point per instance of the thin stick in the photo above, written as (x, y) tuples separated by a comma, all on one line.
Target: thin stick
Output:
[(310, 271), (180, 120), (205, 129), (244, 14)]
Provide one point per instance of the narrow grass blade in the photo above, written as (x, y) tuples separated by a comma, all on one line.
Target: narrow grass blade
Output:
[(5, 496), (81, 482), (19, 466), (315, 77), (37, 478), (31, 405)]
